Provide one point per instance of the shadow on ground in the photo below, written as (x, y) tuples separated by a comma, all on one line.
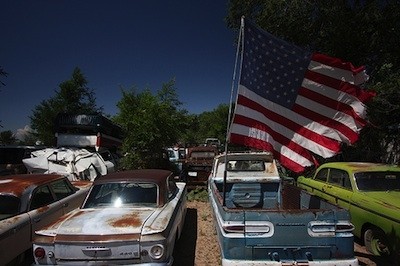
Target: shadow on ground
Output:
[(185, 249), (367, 259)]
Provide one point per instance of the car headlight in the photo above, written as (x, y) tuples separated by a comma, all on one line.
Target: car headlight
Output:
[(157, 251)]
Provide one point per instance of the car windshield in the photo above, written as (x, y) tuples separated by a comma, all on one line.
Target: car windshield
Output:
[(123, 195), (9, 206), (378, 181)]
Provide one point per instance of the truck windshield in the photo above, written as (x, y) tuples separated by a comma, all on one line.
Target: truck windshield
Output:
[(378, 181)]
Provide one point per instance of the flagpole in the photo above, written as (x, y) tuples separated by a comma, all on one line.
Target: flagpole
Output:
[(239, 44)]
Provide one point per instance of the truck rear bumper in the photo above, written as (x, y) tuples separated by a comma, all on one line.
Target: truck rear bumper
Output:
[(349, 262)]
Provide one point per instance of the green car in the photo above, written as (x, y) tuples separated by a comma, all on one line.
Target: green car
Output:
[(371, 192)]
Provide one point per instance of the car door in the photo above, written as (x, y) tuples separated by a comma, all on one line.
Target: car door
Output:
[(68, 197), (339, 188), (316, 185), (15, 231), (44, 209)]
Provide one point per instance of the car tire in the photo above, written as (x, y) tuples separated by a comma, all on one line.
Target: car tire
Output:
[(375, 242)]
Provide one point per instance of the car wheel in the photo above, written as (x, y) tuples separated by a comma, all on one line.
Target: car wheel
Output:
[(375, 242)]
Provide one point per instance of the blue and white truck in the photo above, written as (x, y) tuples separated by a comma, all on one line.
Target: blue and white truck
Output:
[(261, 219)]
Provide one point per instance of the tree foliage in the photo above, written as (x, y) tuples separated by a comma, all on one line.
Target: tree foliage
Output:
[(72, 97), (362, 32), (7, 138), (151, 123), (213, 124), (209, 124), (380, 141)]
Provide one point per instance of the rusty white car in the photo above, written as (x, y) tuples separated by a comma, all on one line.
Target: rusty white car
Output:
[(129, 217), (29, 202)]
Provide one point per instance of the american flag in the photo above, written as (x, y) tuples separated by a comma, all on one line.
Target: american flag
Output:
[(295, 103)]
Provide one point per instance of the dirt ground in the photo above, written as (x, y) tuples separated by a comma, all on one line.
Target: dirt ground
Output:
[(199, 245)]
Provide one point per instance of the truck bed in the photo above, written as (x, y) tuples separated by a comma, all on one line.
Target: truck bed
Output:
[(266, 196)]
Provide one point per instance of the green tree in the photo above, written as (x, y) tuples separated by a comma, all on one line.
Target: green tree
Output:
[(379, 141), (213, 124), (191, 134), (72, 97), (151, 123), (7, 138), (209, 124), (361, 32)]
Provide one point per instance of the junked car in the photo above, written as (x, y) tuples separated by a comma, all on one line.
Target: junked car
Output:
[(371, 192), (29, 202), (128, 217), (197, 165)]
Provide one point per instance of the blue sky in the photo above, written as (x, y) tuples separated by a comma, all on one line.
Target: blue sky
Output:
[(132, 43)]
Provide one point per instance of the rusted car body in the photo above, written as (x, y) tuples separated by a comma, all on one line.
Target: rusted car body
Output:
[(29, 202), (262, 220), (197, 165), (130, 217)]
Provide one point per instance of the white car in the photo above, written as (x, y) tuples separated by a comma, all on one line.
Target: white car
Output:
[(130, 217)]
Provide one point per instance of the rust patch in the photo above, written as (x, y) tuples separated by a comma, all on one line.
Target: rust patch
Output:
[(39, 239), (129, 220), (82, 184), (96, 238), (43, 209), (79, 213), (17, 184), (387, 205)]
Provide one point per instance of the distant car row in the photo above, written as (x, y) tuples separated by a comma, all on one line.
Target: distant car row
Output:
[(136, 217)]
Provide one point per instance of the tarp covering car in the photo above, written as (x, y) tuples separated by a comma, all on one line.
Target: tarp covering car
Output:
[(75, 163)]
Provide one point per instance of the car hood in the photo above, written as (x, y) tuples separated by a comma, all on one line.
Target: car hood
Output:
[(107, 221)]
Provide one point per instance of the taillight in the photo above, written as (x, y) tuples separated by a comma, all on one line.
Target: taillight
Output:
[(321, 229), (250, 228), (157, 251), (40, 253), (344, 227), (234, 228)]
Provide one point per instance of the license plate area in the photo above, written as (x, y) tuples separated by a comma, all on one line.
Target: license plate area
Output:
[(98, 251)]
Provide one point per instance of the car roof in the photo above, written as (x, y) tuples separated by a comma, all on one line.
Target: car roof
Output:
[(158, 176), (362, 166), (17, 184)]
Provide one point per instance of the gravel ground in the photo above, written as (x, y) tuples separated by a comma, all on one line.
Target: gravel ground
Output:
[(198, 244)]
